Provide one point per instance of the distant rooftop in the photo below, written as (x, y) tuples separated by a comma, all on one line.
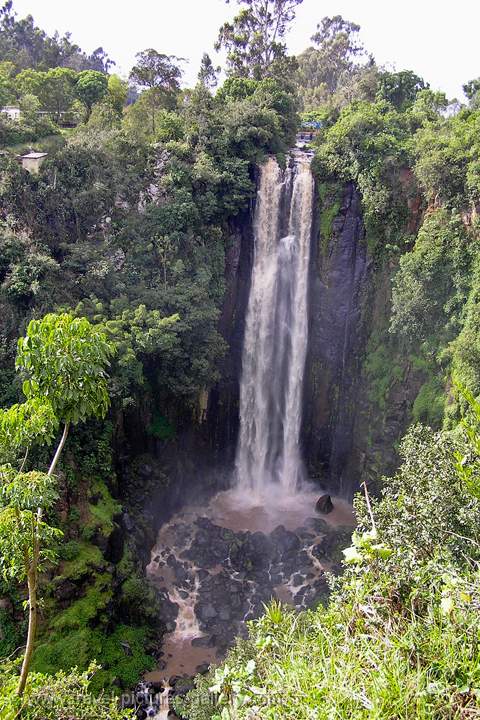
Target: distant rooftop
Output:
[(34, 155)]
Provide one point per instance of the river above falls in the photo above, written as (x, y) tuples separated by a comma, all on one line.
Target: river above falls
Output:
[(216, 565)]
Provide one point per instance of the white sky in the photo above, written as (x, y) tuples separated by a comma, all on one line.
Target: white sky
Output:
[(435, 38)]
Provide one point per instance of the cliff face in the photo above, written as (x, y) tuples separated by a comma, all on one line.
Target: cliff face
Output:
[(359, 388), (338, 289), (222, 417), (348, 433)]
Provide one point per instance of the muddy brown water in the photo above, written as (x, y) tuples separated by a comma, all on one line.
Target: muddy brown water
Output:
[(230, 511)]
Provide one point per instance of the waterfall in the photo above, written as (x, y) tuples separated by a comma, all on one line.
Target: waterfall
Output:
[(276, 331)]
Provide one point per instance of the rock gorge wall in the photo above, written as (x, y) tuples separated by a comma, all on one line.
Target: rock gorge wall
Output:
[(346, 435), (339, 285)]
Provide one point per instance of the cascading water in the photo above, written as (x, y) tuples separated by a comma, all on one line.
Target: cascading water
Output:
[(276, 332)]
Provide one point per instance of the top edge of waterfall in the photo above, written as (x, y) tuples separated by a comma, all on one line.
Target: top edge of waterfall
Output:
[(294, 154)]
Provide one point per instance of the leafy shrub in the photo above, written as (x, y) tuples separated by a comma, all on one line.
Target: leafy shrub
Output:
[(63, 696), (433, 280)]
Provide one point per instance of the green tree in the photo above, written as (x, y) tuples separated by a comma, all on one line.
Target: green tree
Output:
[(156, 70), (54, 88), (59, 92), (90, 88), (254, 38), (26, 540), (472, 91), (160, 74), (431, 286), (117, 93), (142, 119), (30, 82), (63, 362), (207, 75), (338, 47), (7, 94), (400, 88), (29, 105)]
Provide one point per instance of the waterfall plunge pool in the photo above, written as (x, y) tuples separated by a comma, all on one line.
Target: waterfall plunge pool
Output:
[(216, 565)]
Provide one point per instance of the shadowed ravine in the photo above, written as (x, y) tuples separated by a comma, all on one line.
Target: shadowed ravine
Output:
[(216, 565)]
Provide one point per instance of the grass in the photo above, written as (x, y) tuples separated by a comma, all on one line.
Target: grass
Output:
[(88, 608), (329, 197), (102, 510), (78, 648), (351, 663)]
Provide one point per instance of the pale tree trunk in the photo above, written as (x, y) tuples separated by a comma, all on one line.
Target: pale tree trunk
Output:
[(59, 449), (32, 576), (32, 629)]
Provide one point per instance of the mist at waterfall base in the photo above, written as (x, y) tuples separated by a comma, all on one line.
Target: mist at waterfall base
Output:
[(216, 565)]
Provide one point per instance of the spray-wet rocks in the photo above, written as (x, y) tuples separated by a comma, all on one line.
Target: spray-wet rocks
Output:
[(217, 578)]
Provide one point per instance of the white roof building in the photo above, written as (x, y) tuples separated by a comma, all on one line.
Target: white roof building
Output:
[(12, 112), (32, 161)]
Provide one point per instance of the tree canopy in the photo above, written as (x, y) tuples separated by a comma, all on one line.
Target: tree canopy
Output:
[(254, 38)]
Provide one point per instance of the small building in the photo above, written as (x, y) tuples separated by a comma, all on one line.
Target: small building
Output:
[(32, 161), (12, 112)]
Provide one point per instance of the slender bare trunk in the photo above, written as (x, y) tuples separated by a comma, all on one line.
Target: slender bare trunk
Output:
[(59, 449), (32, 575), (32, 628)]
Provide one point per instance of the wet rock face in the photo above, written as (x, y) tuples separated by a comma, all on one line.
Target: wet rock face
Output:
[(223, 403), (228, 576), (338, 283)]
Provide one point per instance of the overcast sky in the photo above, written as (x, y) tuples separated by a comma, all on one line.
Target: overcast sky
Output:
[(435, 38)]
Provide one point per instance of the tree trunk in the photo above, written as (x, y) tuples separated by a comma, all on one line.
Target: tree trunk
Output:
[(32, 629), (59, 449), (32, 577)]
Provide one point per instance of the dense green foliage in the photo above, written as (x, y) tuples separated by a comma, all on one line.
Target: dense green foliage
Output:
[(63, 362), (63, 696), (254, 39)]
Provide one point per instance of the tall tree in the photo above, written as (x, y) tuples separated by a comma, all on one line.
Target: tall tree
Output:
[(117, 93), (63, 361), (59, 92), (160, 75), (400, 88), (207, 75), (336, 48), (156, 70), (254, 38)]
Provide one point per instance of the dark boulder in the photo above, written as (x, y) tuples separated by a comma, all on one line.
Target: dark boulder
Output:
[(284, 541), (115, 546), (202, 669), (252, 554), (324, 504)]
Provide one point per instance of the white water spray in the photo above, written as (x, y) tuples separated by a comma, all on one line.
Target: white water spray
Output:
[(276, 332)]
